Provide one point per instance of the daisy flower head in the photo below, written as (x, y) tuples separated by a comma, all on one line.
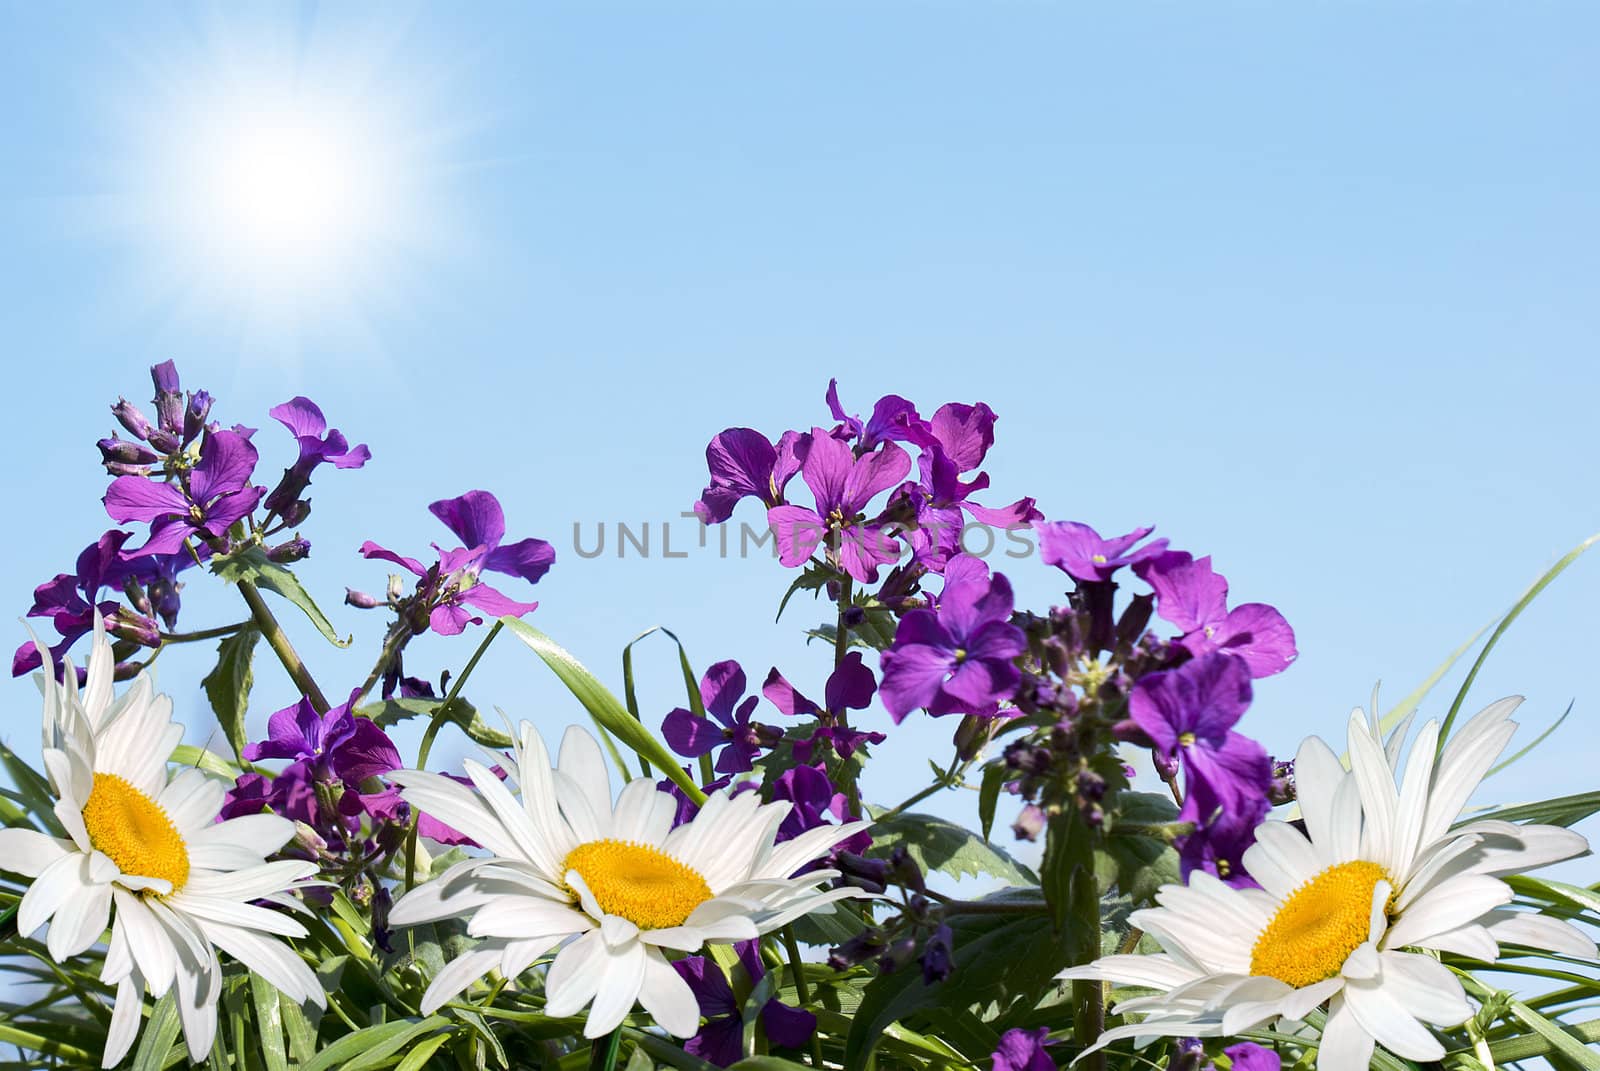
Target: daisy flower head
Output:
[(1353, 911), (145, 854), (613, 885)]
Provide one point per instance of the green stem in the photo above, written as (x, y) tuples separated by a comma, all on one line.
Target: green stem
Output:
[(399, 635), (204, 634), (841, 633), (278, 640), (802, 989), (603, 1054), (952, 776), (434, 724)]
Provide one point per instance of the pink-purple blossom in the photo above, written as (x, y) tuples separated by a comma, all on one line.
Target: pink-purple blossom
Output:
[(1194, 597), (843, 485), (1081, 552)]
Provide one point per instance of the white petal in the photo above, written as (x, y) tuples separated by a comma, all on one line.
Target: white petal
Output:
[(522, 917), (271, 959), (1464, 762), (1413, 801), (28, 852), (1425, 988), (1360, 965), (1379, 798), (125, 1019), (251, 884), (532, 842), (1472, 940), (232, 913), (457, 807), (79, 921), (667, 997), (575, 975), (1317, 777), (54, 885), (583, 767), (197, 991), (458, 974), (152, 950), (1541, 931), (1346, 1045), (619, 988), (1446, 906), (1379, 1011), (193, 798)]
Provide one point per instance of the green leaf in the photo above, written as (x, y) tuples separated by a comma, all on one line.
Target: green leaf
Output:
[(227, 686), (604, 707), (813, 579), (253, 565), (34, 789), (1535, 742), (199, 757), (1556, 1034), (994, 778), (158, 1035), (462, 714), (1561, 811), (767, 1063), (936, 844), (1505, 623), (750, 1013), (691, 687), (370, 1047), (418, 1057), (269, 1023)]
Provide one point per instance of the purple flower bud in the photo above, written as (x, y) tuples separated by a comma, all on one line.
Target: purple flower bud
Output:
[(361, 600), (1166, 765), (863, 873), (163, 594), (294, 513), (936, 955), (904, 870), (122, 468), (169, 397), (897, 955), (853, 616), (165, 441), (194, 417), (127, 452), (292, 550), (1131, 625), (1029, 824), (134, 628), (138, 598), (1187, 1055), (858, 949), (130, 418)]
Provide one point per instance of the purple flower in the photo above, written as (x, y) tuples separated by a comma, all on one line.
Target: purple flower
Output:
[(743, 465), (452, 584), (318, 445), (1079, 551), (720, 1041), (215, 494), (850, 686), (741, 740), (843, 484), (814, 800), (960, 657), (1248, 1056), (1023, 1050), (1222, 834), (69, 600), (938, 498), (1194, 598), (893, 418)]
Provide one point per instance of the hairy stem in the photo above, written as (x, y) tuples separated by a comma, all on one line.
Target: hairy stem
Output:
[(278, 640), (205, 633), (399, 635)]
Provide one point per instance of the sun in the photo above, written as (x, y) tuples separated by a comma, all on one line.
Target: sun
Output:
[(282, 181)]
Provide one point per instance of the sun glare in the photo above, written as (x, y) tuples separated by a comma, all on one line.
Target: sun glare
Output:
[(278, 179)]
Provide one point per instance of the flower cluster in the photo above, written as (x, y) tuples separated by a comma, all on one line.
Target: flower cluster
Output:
[(524, 909)]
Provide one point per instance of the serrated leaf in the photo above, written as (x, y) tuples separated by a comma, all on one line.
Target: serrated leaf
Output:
[(227, 686), (813, 578), (253, 565), (390, 712), (936, 844), (994, 778)]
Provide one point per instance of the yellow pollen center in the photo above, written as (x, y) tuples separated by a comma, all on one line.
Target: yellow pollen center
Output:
[(1186, 740), (647, 887), (1319, 925), (1098, 559), (134, 832)]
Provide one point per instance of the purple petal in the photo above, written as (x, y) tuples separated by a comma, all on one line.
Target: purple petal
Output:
[(965, 432), (370, 550), (980, 683), (851, 686), (690, 736), (226, 461), (494, 603), (863, 548), (870, 475), (786, 697), (741, 462), (224, 511), (301, 416), (450, 619), (721, 688), (136, 498), (1189, 593), (791, 1028), (1248, 1056), (798, 533), (166, 537), (912, 675), (474, 517), (826, 470), (710, 986), (1019, 514), (792, 449), (367, 753), (529, 558), (1257, 634)]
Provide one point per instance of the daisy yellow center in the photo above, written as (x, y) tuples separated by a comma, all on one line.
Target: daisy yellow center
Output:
[(134, 832), (647, 887), (1319, 925)]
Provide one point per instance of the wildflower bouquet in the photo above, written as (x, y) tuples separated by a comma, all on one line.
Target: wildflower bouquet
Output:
[(611, 888)]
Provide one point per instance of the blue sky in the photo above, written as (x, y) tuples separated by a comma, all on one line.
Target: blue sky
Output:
[(1311, 288)]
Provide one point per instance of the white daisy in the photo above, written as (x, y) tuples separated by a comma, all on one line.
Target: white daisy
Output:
[(617, 883), (147, 849), (1378, 870)]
